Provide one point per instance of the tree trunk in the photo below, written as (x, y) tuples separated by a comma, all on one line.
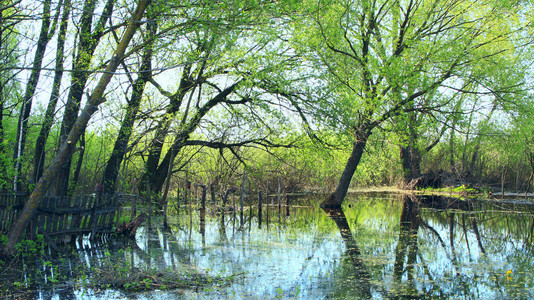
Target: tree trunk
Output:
[(39, 156), (157, 179), (352, 253), (3, 162), (3, 165), (79, 163), (162, 129), (25, 109), (336, 198), (452, 163), (4, 181), (120, 148), (86, 47), (66, 149), (478, 141), (411, 163)]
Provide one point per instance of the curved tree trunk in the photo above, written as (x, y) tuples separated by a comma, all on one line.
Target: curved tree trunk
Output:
[(162, 129)]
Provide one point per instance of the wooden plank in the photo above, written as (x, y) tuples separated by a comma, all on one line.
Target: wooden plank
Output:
[(45, 218), (118, 200), (51, 216), (82, 205), (76, 217), (55, 217), (85, 217), (3, 220), (61, 218)]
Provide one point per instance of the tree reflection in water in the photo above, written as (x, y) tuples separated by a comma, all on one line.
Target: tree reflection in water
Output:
[(352, 253), (407, 250), (380, 246)]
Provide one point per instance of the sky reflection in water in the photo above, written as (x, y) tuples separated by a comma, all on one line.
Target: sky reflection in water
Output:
[(378, 246)]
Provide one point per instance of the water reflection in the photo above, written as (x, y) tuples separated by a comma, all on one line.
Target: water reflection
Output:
[(352, 260), (379, 246), (407, 249)]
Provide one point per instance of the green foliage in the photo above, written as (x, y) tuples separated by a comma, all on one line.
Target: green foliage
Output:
[(308, 68)]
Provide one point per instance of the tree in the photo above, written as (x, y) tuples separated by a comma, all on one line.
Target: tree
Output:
[(39, 156), (10, 16), (67, 147), (221, 73), (46, 33), (377, 57), (89, 39), (127, 126)]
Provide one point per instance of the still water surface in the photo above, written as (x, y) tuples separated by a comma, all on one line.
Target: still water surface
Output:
[(379, 246)]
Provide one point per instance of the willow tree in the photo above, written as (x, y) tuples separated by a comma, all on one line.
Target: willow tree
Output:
[(377, 57), (223, 46)]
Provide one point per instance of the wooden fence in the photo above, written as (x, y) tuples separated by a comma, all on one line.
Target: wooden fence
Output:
[(10, 207), (62, 218)]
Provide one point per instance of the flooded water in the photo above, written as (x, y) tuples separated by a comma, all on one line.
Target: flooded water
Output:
[(379, 246)]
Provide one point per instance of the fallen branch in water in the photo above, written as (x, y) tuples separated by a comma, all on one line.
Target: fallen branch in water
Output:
[(130, 228)]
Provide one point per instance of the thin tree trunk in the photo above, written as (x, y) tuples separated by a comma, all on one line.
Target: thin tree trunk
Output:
[(39, 156), (3, 159), (336, 198), (3, 165), (451, 147), (79, 164), (157, 179), (86, 47), (156, 145), (164, 201), (478, 142), (121, 144), (22, 129), (66, 149)]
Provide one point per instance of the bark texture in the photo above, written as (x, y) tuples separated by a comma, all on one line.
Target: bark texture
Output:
[(336, 198)]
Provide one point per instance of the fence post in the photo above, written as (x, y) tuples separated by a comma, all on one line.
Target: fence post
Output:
[(99, 188), (149, 206), (259, 209), (287, 204), (279, 201), (242, 196)]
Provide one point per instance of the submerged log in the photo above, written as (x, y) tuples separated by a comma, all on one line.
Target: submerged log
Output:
[(130, 228)]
